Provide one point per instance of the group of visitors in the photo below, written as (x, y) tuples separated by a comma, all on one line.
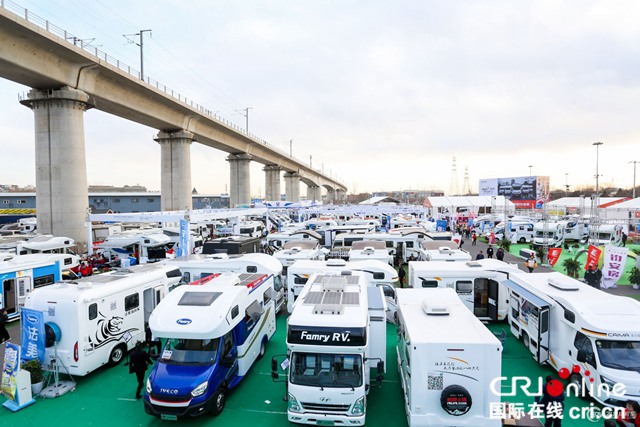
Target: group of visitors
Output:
[(89, 263)]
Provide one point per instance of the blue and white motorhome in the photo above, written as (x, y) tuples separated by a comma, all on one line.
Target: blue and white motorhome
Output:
[(215, 330), (21, 274)]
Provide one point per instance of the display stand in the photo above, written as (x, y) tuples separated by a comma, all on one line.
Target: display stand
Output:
[(56, 387), (23, 392)]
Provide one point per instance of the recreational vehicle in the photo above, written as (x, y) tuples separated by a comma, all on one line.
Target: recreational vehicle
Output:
[(608, 234), (46, 244), (521, 232), (21, 274), (447, 360), (477, 283), (196, 267), (99, 318), (232, 245), (214, 332), (295, 250), (591, 335), (576, 231), (249, 229), (442, 250), (146, 245), (332, 343), (549, 234), (277, 240), (370, 249)]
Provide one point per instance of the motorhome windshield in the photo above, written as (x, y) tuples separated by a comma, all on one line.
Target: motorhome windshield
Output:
[(624, 355), (326, 370), (547, 235), (179, 351)]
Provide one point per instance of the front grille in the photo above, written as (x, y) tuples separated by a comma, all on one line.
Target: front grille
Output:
[(169, 410), (324, 407), (170, 399)]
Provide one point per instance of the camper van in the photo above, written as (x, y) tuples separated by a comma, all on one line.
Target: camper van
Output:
[(249, 229), (378, 274), (447, 360), (609, 234), (477, 283), (277, 241), (21, 274), (442, 250), (150, 245), (548, 234), (196, 267), (295, 250), (46, 244), (370, 249), (592, 335), (521, 232), (99, 318), (332, 342), (214, 332), (576, 231)]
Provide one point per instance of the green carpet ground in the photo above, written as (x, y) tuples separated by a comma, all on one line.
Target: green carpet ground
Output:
[(106, 397)]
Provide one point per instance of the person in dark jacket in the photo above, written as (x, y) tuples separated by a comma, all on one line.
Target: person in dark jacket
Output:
[(4, 318), (480, 255), (490, 252), (552, 406), (401, 275), (500, 254), (139, 360)]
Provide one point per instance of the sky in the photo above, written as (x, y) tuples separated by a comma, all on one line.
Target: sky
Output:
[(382, 95)]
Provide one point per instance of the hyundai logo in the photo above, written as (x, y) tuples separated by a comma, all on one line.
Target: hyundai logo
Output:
[(183, 321), (31, 318)]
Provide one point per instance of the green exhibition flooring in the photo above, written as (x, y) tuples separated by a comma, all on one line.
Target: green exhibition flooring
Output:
[(106, 397)]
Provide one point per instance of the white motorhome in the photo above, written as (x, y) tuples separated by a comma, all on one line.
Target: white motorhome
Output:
[(196, 267), (568, 324), (101, 317), (278, 240), (477, 283), (196, 239), (521, 232), (332, 343), (442, 250), (447, 360), (295, 250), (609, 234), (370, 249), (46, 244), (576, 231), (215, 331), (330, 234), (249, 229), (150, 245), (549, 234)]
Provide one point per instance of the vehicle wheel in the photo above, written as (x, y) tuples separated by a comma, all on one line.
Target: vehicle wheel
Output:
[(219, 400), (576, 380), (522, 240), (263, 348), (117, 354), (525, 340)]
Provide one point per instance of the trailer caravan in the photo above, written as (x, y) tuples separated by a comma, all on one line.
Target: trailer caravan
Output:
[(441, 250), (332, 342), (196, 267), (378, 274), (299, 250), (101, 317), (477, 283), (214, 333), (548, 234), (22, 274), (447, 361), (568, 324), (369, 249)]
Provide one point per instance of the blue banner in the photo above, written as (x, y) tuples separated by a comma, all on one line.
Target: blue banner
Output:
[(33, 337), (184, 238), (10, 370), (441, 225)]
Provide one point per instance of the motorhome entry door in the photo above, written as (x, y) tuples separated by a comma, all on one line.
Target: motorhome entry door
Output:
[(543, 335)]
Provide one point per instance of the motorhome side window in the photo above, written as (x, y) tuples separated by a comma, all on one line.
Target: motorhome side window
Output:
[(464, 287), (378, 276), (300, 280), (429, 283), (252, 269), (277, 283), (43, 280), (93, 311), (234, 312), (408, 244), (583, 343), (570, 316), (132, 301), (186, 277)]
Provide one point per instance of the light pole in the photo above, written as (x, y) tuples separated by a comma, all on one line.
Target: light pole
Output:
[(566, 185), (246, 116), (530, 166), (634, 177), (597, 144)]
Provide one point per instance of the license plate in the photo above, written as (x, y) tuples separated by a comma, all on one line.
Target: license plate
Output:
[(168, 417), (324, 423)]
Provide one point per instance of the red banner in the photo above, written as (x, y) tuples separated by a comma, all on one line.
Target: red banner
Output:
[(554, 255), (593, 255)]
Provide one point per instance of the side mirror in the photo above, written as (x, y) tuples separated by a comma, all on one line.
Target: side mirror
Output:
[(227, 361)]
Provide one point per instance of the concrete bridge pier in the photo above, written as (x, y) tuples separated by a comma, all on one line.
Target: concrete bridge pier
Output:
[(313, 193), (272, 182), (175, 164), (341, 197), (292, 186), (62, 198), (330, 197), (240, 179)]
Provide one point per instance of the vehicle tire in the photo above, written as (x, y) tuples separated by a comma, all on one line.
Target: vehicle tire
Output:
[(522, 240), (117, 354), (263, 348), (525, 340), (219, 400), (576, 379)]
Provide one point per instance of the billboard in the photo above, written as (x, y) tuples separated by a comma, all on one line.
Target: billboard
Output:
[(523, 191)]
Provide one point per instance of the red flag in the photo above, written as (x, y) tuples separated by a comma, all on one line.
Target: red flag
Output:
[(554, 255), (593, 255)]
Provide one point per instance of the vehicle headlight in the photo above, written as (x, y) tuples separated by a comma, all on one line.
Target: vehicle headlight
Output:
[(200, 390), (148, 386), (293, 404), (358, 407)]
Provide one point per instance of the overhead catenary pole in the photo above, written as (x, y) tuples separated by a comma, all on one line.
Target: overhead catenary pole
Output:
[(635, 162), (141, 44)]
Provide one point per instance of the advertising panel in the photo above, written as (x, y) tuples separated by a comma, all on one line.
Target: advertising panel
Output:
[(523, 191), (488, 187)]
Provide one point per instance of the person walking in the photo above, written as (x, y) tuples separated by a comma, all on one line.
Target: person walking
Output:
[(401, 275), (500, 254), (474, 238), (480, 255), (624, 239), (597, 274), (139, 360), (490, 252), (553, 406), (4, 318), (590, 277), (531, 263)]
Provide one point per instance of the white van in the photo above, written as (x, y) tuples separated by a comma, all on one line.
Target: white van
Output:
[(447, 361)]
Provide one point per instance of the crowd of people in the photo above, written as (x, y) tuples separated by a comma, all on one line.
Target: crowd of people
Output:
[(95, 263)]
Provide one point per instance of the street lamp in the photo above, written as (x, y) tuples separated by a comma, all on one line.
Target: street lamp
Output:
[(634, 177), (597, 144), (530, 166)]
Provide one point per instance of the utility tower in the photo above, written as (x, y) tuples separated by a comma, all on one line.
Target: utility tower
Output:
[(466, 188), (453, 186)]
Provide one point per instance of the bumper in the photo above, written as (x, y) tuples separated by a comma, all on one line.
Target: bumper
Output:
[(157, 409), (325, 419)]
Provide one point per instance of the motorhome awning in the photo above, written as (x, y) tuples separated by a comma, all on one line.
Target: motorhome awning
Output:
[(528, 295)]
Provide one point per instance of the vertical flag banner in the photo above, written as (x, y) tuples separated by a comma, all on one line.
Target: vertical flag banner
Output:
[(554, 255), (33, 336), (10, 370), (593, 256), (614, 261), (184, 238)]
